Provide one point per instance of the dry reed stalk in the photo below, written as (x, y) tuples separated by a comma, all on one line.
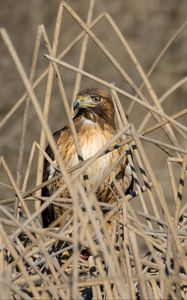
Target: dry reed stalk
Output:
[(162, 202), (159, 57), (27, 105), (171, 174), (122, 92), (125, 249), (116, 256), (98, 261), (123, 121), (83, 50), (141, 282), (145, 79), (13, 182), (107, 255), (4, 280), (44, 74), (179, 194), (20, 263), (35, 146), (36, 105), (111, 58), (48, 97)]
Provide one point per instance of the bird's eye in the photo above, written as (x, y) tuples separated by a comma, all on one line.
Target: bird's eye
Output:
[(97, 99)]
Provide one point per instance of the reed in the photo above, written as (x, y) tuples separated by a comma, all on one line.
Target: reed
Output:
[(144, 255)]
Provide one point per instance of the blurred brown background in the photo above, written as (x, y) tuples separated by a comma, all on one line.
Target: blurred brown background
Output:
[(147, 25)]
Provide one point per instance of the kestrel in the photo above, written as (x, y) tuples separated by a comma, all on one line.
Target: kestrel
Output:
[(95, 126)]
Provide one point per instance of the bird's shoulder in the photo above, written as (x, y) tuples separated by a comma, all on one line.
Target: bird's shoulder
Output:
[(49, 151), (57, 135)]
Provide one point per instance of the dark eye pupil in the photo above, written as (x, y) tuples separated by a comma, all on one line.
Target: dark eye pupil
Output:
[(97, 99)]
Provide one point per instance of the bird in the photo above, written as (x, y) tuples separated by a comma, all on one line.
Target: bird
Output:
[(94, 121)]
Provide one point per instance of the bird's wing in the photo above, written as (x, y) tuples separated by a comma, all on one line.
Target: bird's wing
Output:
[(124, 172), (48, 213)]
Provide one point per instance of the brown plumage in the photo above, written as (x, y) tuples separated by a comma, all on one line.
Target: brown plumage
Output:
[(94, 123)]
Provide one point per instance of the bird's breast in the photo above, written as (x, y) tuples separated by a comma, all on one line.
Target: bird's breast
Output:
[(91, 141)]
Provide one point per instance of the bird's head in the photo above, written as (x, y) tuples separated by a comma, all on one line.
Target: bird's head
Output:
[(95, 103)]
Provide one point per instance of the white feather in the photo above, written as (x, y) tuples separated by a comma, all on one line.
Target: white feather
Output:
[(91, 146), (89, 122), (51, 171)]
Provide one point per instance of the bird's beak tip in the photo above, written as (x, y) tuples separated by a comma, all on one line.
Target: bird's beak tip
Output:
[(76, 104)]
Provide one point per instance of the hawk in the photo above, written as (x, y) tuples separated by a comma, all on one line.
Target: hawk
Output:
[(95, 126)]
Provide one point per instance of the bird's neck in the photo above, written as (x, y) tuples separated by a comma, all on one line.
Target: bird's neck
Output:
[(101, 118)]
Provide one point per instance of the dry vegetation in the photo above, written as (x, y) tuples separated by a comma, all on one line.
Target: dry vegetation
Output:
[(137, 246)]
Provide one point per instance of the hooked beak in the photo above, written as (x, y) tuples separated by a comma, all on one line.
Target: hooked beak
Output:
[(78, 102), (81, 102)]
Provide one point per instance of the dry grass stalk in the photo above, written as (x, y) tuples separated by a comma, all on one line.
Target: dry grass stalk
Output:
[(46, 263)]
